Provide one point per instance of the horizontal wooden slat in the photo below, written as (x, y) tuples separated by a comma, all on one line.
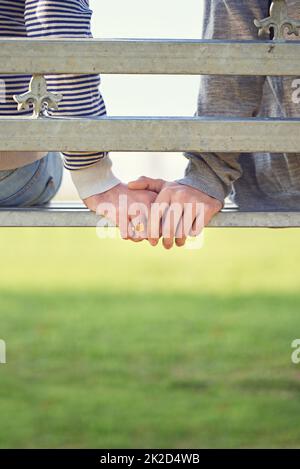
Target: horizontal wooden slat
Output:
[(76, 215), (190, 57), (150, 134)]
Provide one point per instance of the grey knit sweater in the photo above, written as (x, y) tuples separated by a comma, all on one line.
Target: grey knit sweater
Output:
[(262, 180)]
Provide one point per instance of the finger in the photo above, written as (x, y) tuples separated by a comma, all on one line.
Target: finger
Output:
[(138, 229), (125, 230), (199, 222), (197, 228), (170, 224), (132, 235), (138, 213), (185, 226), (188, 221), (180, 242), (154, 227), (180, 238), (145, 183), (158, 210)]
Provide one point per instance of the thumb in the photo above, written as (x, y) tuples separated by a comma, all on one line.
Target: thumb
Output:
[(146, 183)]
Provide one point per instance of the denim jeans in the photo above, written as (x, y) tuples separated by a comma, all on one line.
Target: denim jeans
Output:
[(33, 184)]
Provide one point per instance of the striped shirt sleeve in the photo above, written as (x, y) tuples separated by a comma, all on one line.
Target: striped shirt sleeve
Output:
[(91, 171), (81, 94)]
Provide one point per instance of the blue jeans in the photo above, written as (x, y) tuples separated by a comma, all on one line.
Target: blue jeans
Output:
[(34, 184)]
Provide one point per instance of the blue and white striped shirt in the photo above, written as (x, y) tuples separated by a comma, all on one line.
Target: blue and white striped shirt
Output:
[(56, 19)]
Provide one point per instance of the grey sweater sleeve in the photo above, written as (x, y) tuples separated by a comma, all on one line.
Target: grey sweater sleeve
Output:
[(231, 96)]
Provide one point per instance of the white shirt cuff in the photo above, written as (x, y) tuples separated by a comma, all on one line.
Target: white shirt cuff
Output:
[(94, 179)]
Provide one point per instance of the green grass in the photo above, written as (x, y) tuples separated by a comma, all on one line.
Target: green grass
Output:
[(111, 344)]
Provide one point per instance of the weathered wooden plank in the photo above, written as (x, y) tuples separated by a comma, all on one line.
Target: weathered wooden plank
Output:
[(150, 134), (131, 56)]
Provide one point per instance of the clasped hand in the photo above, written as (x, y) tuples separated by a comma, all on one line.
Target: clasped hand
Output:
[(153, 208)]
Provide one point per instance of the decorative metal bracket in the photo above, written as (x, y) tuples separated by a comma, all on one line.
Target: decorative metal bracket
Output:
[(278, 22), (39, 97)]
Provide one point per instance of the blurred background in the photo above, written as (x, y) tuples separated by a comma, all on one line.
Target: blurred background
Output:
[(112, 344)]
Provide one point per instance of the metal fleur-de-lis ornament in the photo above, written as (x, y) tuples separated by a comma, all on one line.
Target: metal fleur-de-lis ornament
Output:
[(38, 96), (278, 22)]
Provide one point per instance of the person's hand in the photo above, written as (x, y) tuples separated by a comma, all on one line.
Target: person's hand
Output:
[(179, 211), (128, 209)]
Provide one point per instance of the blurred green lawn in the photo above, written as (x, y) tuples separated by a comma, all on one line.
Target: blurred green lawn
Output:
[(111, 344)]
